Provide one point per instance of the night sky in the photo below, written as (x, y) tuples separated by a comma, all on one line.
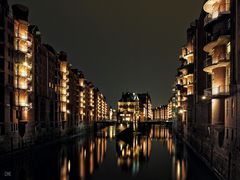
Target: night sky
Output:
[(120, 45)]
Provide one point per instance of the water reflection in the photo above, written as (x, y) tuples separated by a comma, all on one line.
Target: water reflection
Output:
[(151, 155), (132, 152)]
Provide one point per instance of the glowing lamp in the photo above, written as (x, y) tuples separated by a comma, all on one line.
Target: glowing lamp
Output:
[(181, 111)]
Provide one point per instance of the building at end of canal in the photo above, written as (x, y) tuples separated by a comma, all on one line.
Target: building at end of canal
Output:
[(135, 107)]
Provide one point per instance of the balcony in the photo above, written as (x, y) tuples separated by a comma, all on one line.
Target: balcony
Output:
[(21, 83), (222, 40), (218, 91), (186, 56), (29, 53), (188, 84), (210, 65), (216, 7), (213, 17), (188, 68)]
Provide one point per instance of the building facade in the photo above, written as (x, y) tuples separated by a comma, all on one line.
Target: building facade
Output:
[(43, 97), (90, 103), (135, 107), (210, 124), (101, 110), (145, 107), (46, 87), (8, 123), (128, 107)]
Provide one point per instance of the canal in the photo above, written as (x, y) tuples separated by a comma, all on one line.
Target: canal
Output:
[(103, 155)]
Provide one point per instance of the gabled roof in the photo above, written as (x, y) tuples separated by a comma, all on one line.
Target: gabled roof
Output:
[(129, 97)]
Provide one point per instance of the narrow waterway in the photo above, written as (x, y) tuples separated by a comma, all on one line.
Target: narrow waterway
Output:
[(152, 155)]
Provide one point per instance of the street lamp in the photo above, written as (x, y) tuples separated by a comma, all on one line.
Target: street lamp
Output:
[(204, 97)]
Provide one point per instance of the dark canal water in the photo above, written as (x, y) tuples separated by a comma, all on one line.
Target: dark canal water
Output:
[(155, 155)]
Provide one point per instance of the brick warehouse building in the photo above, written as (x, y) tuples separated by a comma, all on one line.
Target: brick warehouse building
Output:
[(210, 121), (43, 97)]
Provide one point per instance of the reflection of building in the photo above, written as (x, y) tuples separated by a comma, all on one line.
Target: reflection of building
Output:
[(133, 152), (80, 162), (128, 107), (145, 107), (179, 161), (91, 156)]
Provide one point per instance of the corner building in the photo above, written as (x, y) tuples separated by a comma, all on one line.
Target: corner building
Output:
[(213, 125)]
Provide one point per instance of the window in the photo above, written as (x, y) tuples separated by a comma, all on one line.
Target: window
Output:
[(10, 79), (2, 48), (9, 66), (2, 130), (2, 64), (229, 23), (228, 50), (232, 134), (9, 38), (9, 52), (227, 109)]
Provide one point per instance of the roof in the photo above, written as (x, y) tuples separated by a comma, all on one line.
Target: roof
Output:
[(62, 56), (20, 12), (129, 97), (50, 48), (144, 97), (34, 29)]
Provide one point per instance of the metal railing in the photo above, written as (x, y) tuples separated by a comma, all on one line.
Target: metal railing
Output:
[(209, 61), (215, 91)]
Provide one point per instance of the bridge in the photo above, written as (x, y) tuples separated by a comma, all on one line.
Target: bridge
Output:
[(146, 122), (125, 128)]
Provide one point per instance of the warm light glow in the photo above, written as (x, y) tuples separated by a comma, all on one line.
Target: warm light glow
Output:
[(204, 97), (181, 111), (69, 166)]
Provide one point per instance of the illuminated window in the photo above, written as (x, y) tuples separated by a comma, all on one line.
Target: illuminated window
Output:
[(228, 49)]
